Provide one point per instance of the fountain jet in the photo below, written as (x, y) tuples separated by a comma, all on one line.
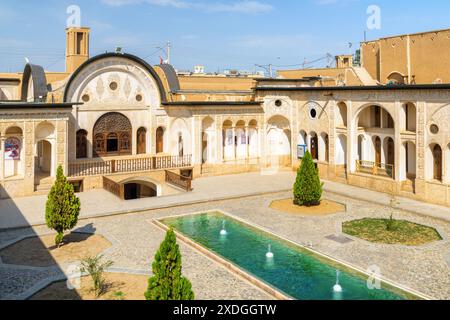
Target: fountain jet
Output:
[(269, 254), (337, 287), (223, 232)]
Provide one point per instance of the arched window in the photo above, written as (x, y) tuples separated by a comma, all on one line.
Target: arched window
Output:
[(141, 141), (437, 163), (314, 146), (81, 144), (112, 135), (160, 140)]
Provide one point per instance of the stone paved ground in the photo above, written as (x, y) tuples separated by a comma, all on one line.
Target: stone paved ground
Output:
[(136, 241)]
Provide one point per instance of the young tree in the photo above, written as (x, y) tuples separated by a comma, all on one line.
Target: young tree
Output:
[(307, 188), (167, 282), (63, 206)]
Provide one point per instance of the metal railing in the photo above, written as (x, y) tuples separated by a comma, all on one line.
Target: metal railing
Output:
[(104, 167), (376, 169)]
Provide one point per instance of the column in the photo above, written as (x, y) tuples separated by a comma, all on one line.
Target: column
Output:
[(2, 157), (398, 143), (247, 140), (234, 144), (352, 129)]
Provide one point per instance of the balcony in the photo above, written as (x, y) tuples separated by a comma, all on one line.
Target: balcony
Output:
[(127, 165), (375, 169)]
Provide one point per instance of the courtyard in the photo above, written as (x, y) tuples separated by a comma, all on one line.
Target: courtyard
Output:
[(131, 239)]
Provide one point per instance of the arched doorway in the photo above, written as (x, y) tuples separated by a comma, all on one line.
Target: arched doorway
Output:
[(44, 158), (228, 142), (390, 151), (180, 138), (389, 155), (82, 141), (279, 141), (208, 138), (377, 146), (341, 151), (361, 140), (204, 147), (324, 148), (112, 135), (45, 153), (408, 161), (341, 118), (141, 141), (160, 140), (437, 163), (314, 146), (241, 140), (253, 143)]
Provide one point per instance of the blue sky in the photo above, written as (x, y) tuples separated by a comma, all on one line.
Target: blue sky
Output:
[(219, 34)]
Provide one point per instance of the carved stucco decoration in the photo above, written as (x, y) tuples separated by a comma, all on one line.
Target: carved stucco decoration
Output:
[(272, 109), (131, 78), (112, 122), (441, 118)]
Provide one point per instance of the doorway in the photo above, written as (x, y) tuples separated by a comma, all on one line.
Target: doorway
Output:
[(44, 159), (160, 140), (377, 151)]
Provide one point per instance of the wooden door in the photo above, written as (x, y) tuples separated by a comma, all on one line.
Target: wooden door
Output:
[(141, 141), (391, 152), (314, 148), (81, 148), (159, 140), (378, 150), (437, 156)]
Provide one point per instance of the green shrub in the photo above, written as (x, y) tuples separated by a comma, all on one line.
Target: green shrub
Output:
[(167, 282), (95, 268), (307, 188), (62, 207)]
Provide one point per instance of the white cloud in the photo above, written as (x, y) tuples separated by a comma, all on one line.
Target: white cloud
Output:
[(245, 6), (164, 3), (252, 7), (331, 2)]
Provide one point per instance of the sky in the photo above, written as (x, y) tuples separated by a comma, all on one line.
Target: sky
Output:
[(219, 34)]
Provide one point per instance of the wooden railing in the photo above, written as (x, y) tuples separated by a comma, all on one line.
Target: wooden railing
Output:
[(115, 188), (104, 167), (376, 169), (179, 181)]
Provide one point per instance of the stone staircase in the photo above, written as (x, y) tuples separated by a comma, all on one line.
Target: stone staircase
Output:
[(42, 186)]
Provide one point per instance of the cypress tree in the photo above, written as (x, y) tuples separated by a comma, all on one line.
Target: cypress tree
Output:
[(62, 207), (167, 282), (308, 188)]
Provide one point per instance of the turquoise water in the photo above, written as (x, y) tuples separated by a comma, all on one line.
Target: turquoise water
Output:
[(293, 270)]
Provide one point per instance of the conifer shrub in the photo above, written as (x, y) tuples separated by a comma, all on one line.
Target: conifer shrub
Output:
[(62, 207), (307, 188), (167, 282)]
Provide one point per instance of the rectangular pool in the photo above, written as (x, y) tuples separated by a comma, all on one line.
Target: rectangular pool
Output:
[(293, 270)]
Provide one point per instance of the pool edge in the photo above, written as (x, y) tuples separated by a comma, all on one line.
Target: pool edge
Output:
[(263, 229), (266, 288)]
